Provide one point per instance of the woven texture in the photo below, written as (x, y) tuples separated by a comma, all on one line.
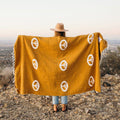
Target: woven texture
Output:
[(58, 66)]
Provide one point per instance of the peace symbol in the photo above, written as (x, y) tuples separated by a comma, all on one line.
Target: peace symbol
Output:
[(90, 38), (63, 44), (34, 43), (64, 86), (35, 85), (35, 63), (90, 60), (63, 65), (91, 81)]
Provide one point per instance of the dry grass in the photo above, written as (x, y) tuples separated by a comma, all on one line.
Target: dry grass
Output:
[(6, 76), (110, 64)]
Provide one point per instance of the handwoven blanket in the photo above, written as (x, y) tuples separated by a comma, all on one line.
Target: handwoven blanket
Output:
[(58, 66)]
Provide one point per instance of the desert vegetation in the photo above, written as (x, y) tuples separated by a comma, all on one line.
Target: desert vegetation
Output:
[(110, 64)]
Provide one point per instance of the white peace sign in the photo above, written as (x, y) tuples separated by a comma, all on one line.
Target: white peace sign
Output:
[(34, 43), (63, 65), (35, 85), (63, 44), (90, 59), (35, 63), (90, 38), (64, 86), (91, 81)]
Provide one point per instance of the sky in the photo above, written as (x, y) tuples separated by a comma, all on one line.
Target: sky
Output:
[(36, 17)]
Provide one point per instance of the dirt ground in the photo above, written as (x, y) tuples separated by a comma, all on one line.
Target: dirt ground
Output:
[(85, 106)]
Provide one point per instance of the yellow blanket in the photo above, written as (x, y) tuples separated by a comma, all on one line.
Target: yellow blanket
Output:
[(58, 66)]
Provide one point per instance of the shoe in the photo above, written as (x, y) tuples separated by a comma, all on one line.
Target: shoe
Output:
[(55, 110), (66, 108)]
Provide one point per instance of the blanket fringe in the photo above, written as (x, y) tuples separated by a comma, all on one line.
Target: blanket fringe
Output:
[(13, 64)]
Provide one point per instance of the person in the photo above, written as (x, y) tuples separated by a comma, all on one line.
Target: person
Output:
[(59, 31)]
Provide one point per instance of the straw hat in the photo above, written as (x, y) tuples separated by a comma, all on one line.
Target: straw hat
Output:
[(59, 27)]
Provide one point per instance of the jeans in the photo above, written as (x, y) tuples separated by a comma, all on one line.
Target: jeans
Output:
[(55, 99)]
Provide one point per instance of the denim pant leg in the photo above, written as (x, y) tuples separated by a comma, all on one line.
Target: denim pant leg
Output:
[(64, 99), (55, 99)]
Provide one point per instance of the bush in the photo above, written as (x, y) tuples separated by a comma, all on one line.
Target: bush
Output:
[(6, 76), (110, 64)]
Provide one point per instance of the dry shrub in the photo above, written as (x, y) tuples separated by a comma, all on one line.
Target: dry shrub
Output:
[(6, 76), (110, 64)]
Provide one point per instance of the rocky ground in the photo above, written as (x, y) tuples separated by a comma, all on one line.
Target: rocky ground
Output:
[(85, 106)]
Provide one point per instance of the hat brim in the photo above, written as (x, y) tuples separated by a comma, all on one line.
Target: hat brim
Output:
[(58, 30)]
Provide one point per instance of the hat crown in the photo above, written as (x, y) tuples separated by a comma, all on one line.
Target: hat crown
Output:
[(59, 26)]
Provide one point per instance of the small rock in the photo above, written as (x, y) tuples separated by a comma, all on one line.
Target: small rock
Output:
[(86, 110), (105, 84), (115, 104), (92, 112), (5, 105), (93, 100), (76, 112)]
